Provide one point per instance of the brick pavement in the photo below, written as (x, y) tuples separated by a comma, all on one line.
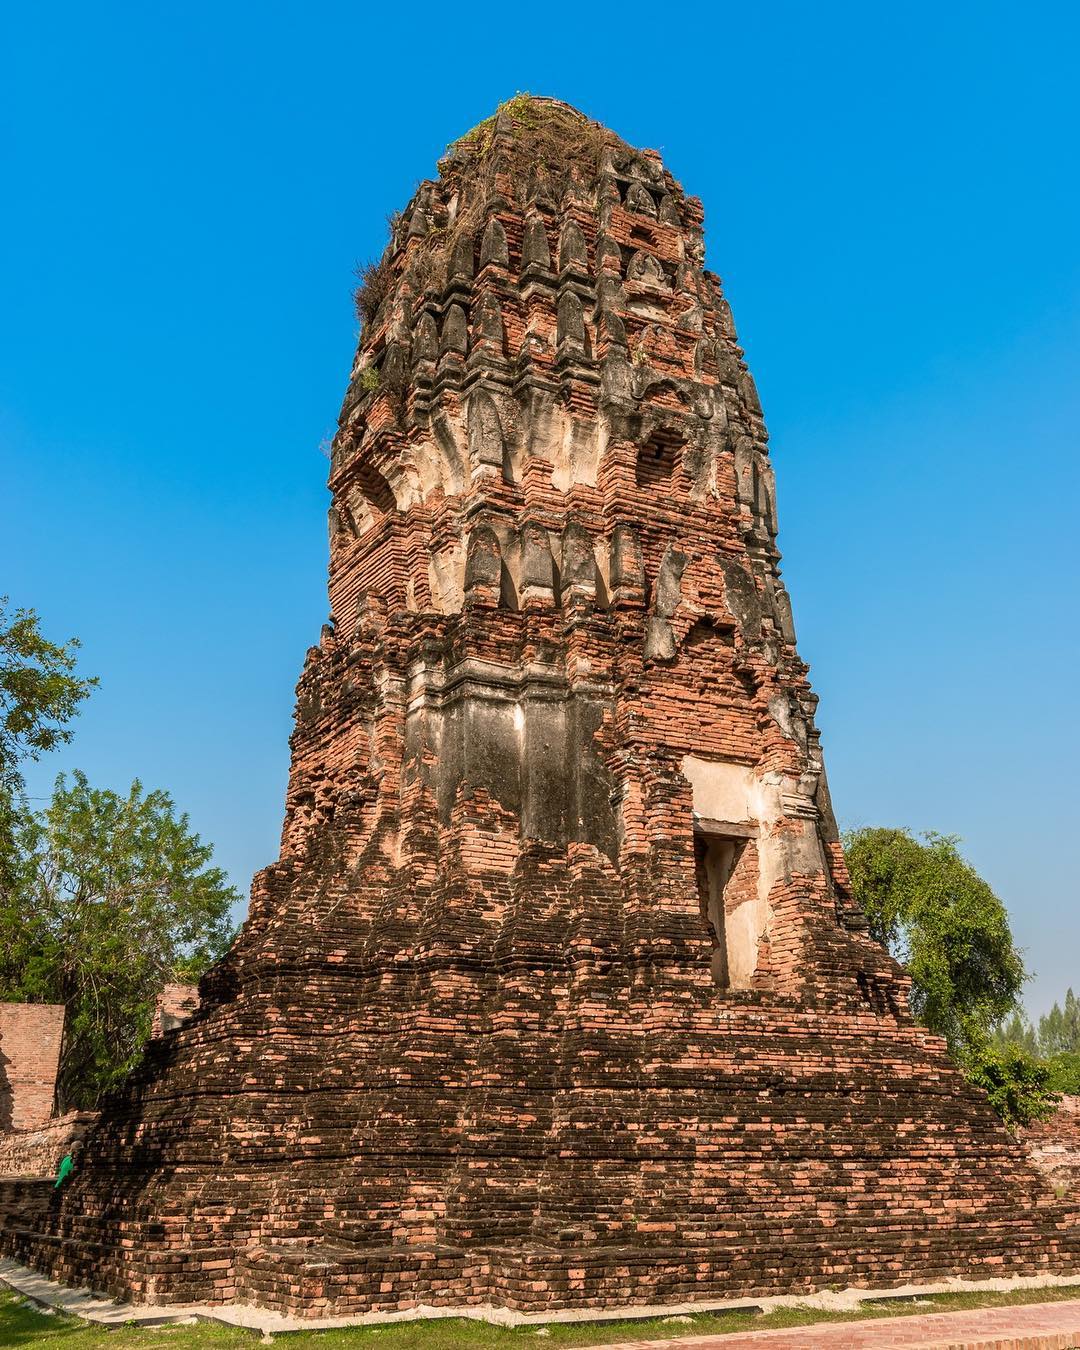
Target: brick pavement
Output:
[(1037, 1326)]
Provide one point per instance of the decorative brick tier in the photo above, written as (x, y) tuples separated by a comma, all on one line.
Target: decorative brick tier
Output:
[(556, 996)]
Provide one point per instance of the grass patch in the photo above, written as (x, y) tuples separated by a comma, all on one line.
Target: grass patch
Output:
[(21, 1324)]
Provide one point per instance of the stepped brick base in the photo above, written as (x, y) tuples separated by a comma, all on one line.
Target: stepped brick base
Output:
[(717, 1173)]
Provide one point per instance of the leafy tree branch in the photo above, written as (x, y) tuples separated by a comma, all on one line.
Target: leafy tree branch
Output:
[(39, 692), (929, 907)]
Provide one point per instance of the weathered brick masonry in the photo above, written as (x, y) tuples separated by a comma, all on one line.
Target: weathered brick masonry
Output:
[(173, 1006), (1054, 1145), (30, 1037), (37, 1152), (556, 995)]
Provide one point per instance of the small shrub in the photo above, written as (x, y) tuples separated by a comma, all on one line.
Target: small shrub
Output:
[(546, 137), (1065, 1074), (1018, 1085), (375, 279)]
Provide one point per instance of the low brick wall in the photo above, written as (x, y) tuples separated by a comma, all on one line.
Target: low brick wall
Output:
[(1054, 1145), (30, 1039), (37, 1153)]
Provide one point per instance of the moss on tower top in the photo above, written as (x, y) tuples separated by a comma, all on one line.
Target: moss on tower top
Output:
[(531, 148), (541, 133)]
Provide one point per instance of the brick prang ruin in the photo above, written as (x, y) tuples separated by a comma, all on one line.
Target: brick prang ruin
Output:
[(557, 996)]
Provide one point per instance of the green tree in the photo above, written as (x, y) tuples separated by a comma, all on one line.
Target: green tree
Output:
[(39, 692), (1020, 1086), (39, 695), (1059, 1029), (1056, 1044), (1017, 1031), (112, 895), (936, 915), (1065, 1073)]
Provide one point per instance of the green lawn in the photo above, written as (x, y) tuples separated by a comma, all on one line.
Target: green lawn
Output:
[(22, 1324)]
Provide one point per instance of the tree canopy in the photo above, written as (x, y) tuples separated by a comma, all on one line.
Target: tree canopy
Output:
[(1019, 1085), (1059, 1029), (112, 896), (103, 897), (39, 692), (930, 908), (936, 915)]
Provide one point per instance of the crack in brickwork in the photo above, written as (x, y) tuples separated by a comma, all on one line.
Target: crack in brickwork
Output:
[(475, 1043)]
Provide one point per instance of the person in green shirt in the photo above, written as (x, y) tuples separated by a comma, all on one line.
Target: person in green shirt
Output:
[(67, 1166)]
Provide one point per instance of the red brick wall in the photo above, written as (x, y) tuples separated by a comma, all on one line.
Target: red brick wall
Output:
[(37, 1152), (30, 1036), (1054, 1146)]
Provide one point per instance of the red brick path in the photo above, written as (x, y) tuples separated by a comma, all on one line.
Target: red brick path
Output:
[(1039, 1326)]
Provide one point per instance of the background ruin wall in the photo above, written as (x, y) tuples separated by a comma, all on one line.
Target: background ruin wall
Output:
[(1054, 1146), (30, 1039)]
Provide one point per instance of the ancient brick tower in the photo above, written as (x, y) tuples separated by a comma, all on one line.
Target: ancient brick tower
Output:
[(556, 995)]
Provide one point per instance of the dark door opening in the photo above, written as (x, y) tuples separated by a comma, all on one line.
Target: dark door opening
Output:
[(715, 859)]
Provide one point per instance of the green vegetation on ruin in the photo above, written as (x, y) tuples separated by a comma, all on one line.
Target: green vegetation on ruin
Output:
[(23, 1324), (545, 136), (528, 114), (1055, 1041)]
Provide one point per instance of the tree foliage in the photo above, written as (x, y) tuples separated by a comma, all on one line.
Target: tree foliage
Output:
[(1018, 1031), (111, 897), (930, 908), (1056, 1041), (936, 915), (1065, 1073), (1020, 1085), (39, 692), (1059, 1029)]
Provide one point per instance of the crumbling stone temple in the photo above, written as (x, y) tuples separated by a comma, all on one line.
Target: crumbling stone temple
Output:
[(557, 996)]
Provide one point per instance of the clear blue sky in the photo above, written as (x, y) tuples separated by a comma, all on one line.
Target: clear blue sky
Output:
[(892, 201)]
